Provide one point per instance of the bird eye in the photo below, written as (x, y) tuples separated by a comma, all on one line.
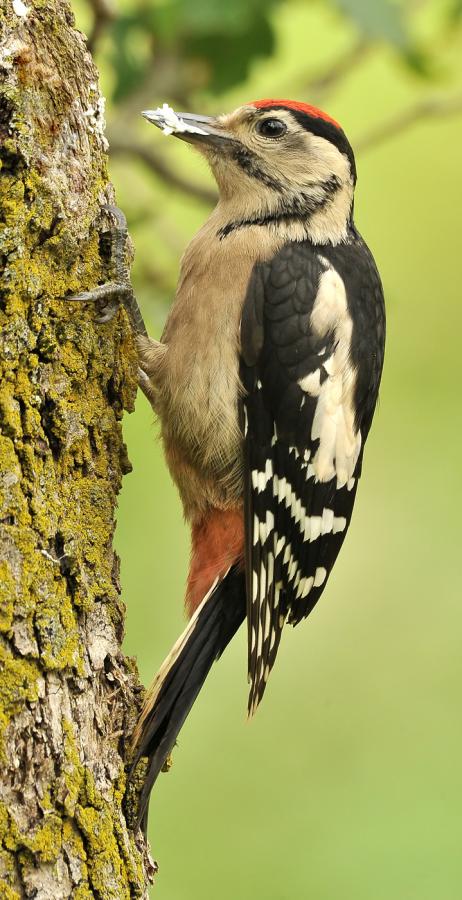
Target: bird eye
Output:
[(272, 128)]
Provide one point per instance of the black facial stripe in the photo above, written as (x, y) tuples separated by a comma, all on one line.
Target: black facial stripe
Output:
[(297, 209), (325, 129), (263, 220), (250, 164)]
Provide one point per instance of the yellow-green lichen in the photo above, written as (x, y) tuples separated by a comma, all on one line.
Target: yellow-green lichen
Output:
[(9, 833), (45, 842), (113, 859), (106, 869), (7, 892), (73, 772), (18, 684), (83, 892), (58, 633), (74, 847), (64, 383), (7, 595)]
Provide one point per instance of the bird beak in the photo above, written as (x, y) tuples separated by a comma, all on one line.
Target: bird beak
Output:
[(195, 129)]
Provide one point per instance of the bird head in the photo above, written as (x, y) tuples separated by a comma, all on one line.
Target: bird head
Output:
[(275, 159)]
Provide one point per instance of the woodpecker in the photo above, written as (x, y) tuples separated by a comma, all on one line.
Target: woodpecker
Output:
[(265, 383)]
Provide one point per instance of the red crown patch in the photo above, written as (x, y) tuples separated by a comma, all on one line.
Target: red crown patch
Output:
[(300, 107)]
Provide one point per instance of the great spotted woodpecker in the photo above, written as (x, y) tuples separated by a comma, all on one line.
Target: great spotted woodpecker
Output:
[(265, 382)]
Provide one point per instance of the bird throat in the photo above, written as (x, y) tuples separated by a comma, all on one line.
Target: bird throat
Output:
[(304, 208)]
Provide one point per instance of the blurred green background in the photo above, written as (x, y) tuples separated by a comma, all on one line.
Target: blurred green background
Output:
[(348, 783)]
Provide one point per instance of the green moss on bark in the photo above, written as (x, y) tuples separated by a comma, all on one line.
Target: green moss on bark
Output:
[(67, 696)]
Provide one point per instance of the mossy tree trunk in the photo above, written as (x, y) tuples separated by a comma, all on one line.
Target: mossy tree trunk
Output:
[(68, 697)]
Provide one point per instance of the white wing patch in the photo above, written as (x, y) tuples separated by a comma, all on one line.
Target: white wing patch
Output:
[(334, 418)]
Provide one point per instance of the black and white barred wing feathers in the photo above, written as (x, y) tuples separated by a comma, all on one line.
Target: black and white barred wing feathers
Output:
[(302, 442)]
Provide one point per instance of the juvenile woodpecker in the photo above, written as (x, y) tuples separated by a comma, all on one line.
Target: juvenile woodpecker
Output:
[(265, 383)]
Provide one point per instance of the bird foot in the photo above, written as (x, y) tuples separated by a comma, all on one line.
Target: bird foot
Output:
[(118, 291), (109, 296)]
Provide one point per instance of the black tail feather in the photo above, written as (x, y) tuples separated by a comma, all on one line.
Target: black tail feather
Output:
[(182, 676)]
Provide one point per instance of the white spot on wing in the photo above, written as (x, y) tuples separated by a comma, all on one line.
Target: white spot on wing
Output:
[(339, 524), (283, 486), (265, 528), (315, 530), (327, 522), (270, 569), (280, 543), (319, 576), (256, 528), (260, 479), (304, 587)]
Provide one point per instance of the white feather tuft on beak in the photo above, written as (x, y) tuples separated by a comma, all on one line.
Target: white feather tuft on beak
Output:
[(169, 121)]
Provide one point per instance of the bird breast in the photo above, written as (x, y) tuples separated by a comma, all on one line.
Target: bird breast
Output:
[(196, 380), (199, 384)]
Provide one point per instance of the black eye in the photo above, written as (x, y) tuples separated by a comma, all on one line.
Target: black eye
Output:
[(272, 128)]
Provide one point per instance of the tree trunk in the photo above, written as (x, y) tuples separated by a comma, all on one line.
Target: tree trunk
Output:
[(68, 698)]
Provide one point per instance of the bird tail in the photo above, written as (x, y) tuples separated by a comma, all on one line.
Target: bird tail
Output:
[(182, 675)]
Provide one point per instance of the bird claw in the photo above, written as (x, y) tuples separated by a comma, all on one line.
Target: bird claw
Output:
[(107, 312), (145, 385), (108, 297), (117, 292)]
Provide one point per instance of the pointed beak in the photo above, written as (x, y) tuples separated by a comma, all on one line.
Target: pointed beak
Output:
[(195, 129)]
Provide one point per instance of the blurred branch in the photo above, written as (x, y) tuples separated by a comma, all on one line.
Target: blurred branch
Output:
[(119, 146), (321, 83), (104, 11), (431, 107)]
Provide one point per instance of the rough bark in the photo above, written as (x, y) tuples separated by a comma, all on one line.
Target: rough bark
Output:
[(67, 695)]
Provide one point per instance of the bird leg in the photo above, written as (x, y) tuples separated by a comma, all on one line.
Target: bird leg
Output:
[(118, 291)]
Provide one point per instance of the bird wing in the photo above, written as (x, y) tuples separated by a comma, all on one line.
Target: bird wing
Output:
[(302, 440)]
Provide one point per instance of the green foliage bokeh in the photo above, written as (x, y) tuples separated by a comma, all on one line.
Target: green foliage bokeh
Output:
[(347, 785)]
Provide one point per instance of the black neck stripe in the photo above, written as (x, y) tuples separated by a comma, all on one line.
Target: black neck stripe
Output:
[(298, 209)]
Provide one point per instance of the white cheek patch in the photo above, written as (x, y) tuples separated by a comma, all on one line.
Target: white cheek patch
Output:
[(170, 121)]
